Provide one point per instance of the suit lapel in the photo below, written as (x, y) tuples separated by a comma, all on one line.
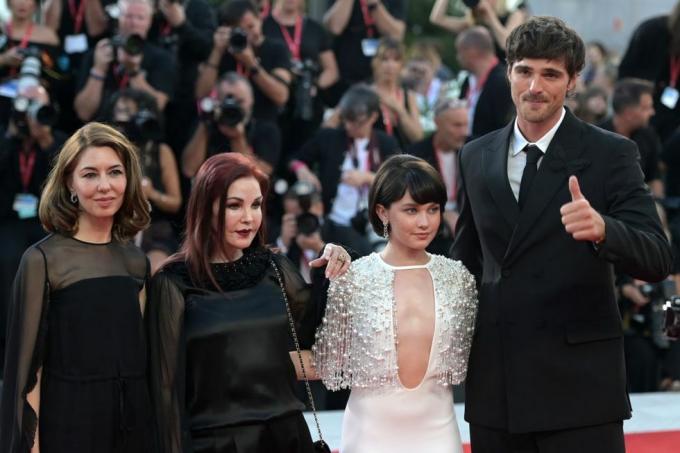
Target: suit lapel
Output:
[(552, 176), (495, 162)]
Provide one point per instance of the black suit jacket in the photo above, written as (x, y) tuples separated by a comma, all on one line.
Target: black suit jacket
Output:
[(547, 351), (325, 152), (494, 107)]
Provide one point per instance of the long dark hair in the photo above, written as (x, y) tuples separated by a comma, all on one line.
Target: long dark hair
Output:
[(202, 237)]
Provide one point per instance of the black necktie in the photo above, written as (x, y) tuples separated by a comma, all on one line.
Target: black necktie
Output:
[(533, 154)]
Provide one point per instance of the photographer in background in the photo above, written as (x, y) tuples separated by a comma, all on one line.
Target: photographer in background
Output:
[(22, 37), (227, 125), (314, 67), (341, 162), (240, 46), (126, 60), (136, 114), (185, 29), (300, 236), (26, 152)]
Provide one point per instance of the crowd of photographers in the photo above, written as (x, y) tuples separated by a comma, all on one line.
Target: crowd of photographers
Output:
[(317, 104)]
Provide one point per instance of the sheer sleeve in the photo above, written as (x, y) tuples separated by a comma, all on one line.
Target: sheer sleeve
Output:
[(334, 338), (299, 296), (24, 352), (165, 320)]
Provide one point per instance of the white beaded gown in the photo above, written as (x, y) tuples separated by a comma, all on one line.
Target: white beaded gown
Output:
[(356, 347)]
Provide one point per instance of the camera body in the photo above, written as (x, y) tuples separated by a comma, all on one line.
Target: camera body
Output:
[(133, 45), (671, 325), (238, 40), (307, 72), (307, 222), (24, 108), (142, 127), (228, 112), (471, 3)]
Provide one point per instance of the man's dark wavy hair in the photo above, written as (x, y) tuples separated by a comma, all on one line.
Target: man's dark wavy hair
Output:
[(549, 38)]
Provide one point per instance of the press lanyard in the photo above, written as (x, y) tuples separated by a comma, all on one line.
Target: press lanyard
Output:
[(453, 190), (368, 19), (122, 80), (482, 81), (293, 42), (27, 34), (77, 15), (386, 115), (675, 71), (26, 166)]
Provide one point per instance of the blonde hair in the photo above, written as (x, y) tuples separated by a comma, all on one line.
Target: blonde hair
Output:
[(56, 211)]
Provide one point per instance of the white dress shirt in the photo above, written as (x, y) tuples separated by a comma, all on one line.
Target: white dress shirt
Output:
[(517, 159)]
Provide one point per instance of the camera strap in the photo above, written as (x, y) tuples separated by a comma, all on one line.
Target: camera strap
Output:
[(293, 42)]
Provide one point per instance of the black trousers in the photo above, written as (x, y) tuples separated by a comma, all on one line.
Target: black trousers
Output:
[(607, 438)]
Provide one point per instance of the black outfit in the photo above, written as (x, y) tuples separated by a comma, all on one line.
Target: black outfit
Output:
[(314, 41), (157, 63), (17, 233), (263, 137), (494, 105), (547, 354), (190, 43), (76, 314), (221, 375), (394, 129), (648, 57), (272, 54), (354, 66), (649, 146), (500, 49)]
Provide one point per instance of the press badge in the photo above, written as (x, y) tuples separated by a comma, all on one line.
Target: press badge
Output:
[(75, 43), (670, 97), (25, 205), (369, 47)]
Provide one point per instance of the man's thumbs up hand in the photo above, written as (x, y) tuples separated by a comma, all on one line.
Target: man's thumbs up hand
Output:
[(579, 219)]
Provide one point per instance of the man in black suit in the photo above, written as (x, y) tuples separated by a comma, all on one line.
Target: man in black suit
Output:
[(486, 89), (550, 206)]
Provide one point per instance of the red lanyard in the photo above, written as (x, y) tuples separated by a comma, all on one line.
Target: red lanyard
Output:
[(453, 190), (122, 80), (675, 71), (482, 80), (293, 42), (242, 70), (77, 15), (387, 115), (27, 34), (26, 165), (368, 19)]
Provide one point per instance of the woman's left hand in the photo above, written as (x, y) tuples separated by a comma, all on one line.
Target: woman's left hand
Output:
[(336, 259)]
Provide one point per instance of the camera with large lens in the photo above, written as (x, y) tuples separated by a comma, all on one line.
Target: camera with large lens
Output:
[(132, 45), (142, 127), (228, 112), (307, 72), (238, 40), (24, 108), (671, 310), (305, 193), (649, 319), (471, 3)]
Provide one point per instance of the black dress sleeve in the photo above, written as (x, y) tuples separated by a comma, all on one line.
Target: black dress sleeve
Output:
[(299, 297), (24, 352), (165, 320)]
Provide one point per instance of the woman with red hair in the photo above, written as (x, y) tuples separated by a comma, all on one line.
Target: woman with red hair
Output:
[(219, 331)]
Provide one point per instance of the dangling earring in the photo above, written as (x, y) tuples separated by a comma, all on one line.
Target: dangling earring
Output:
[(386, 231), (74, 198)]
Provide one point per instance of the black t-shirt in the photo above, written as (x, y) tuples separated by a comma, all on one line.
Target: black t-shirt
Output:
[(354, 66), (314, 40), (10, 173), (649, 147), (263, 136), (158, 64), (272, 54)]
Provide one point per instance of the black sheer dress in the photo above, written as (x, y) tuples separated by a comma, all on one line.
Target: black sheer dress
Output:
[(221, 375), (75, 320)]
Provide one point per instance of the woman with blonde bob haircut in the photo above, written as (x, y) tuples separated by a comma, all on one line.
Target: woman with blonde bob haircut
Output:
[(75, 363)]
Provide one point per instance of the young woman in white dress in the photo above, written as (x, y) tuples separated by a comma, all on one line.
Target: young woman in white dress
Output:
[(398, 326)]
